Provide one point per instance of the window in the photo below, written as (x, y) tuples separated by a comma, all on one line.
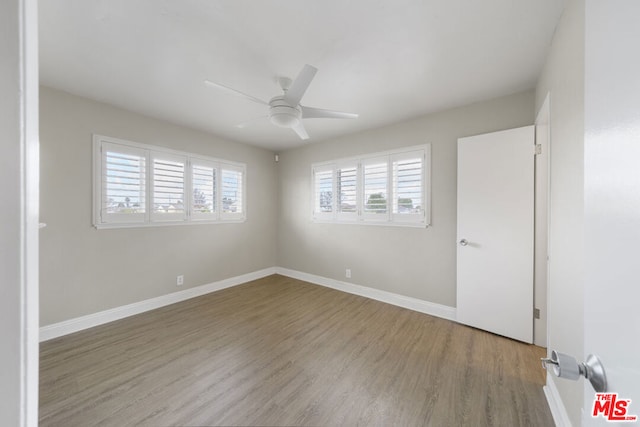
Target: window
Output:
[(123, 184), (407, 186), (141, 185), (347, 191), (203, 183), (375, 177), (382, 188), (232, 206), (167, 181), (323, 191)]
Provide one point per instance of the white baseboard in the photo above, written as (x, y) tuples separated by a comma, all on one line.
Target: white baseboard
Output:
[(558, 411), (84, 322), (433, 309), (70, 326)]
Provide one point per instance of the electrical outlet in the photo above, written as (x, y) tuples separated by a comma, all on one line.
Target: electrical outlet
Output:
[(347, 273), (180, 280)]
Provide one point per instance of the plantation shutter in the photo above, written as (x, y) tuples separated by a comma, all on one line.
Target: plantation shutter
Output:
[(203, 188), (386, 188), (408, 186), (347, 192), (232, 191), (323, 192), (375, 184), (137, 185), (123, 184), (168, 187)]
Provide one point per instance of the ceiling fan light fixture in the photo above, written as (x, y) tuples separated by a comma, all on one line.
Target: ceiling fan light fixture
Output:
[(282, 114), (285, 119)]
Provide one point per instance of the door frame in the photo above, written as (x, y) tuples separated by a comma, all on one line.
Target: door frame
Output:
[(19, 307), (541, 220)]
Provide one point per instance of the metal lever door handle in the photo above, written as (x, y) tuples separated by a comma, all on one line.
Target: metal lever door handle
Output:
[(464, 242)]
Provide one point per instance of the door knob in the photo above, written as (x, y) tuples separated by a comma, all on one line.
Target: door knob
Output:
[(464, 242), (565, 366)]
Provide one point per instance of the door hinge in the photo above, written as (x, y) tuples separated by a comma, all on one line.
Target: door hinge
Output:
[(536, 313), (538, 149)]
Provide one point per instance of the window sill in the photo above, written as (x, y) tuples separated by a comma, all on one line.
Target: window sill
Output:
[(167, 223), (374, 223)]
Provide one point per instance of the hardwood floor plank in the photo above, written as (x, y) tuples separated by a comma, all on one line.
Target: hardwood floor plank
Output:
[(278, 351)]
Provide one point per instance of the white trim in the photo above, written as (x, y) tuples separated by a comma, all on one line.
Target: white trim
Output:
[(558, 411), (59, 329), (28, 96), (196, 221), (375, 223), (543, 118), (422, 306)]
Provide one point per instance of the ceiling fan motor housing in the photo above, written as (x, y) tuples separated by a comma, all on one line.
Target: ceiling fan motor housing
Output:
[(283, 114)]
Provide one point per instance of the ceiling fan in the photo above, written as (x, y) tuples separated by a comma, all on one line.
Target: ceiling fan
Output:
[(285, 110)]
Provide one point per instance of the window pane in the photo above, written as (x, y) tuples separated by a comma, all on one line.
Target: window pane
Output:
[(375, 188), (407, 186), (139, 184), (386, 188), (168, 186), (204, 189), (347, 179), (124, 183), (323, 191), (231, 191)]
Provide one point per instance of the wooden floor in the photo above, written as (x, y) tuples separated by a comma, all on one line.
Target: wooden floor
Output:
[(282, 352)]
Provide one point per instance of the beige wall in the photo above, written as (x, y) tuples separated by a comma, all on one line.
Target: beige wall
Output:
[(419, 263), (563, 78), (84, 270)]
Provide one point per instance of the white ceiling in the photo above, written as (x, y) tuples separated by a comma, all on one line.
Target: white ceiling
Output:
[(388, 60)]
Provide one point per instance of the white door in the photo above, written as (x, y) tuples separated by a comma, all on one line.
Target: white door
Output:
[(495, 232), (612, 201)]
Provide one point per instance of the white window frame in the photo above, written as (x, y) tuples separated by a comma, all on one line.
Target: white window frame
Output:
[(421, 218), (149, 218)]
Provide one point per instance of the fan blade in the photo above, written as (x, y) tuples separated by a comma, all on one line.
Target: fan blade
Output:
[(234, 92), (319, 113), (299, 86), (301, 131), (250, 122)]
